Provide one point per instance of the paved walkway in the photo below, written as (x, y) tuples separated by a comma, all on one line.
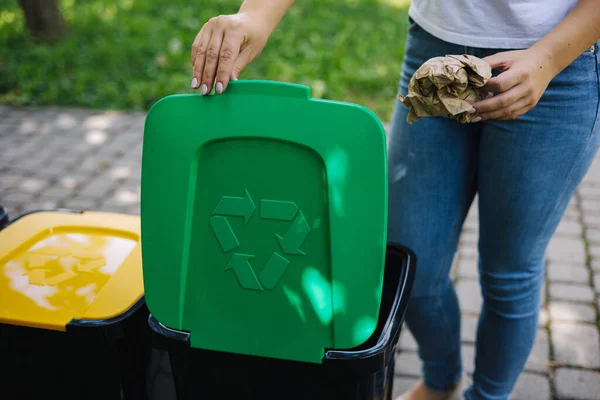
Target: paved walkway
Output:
[(82, 159)]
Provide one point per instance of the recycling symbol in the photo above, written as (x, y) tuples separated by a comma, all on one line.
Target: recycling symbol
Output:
[(289, 243), (43, 261)]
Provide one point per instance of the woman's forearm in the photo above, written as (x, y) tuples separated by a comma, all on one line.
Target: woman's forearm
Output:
[(577, 32), (271, 11)]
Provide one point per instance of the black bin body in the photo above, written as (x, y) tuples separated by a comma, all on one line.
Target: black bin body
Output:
[(103, 360), (364, 373)]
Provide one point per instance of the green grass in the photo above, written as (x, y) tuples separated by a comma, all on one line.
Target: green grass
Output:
[(127, 54)]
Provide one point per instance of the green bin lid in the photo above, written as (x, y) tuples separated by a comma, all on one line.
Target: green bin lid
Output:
[(264, 217)]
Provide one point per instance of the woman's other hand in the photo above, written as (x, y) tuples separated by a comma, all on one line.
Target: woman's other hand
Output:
[(518, 88), (224, 47)]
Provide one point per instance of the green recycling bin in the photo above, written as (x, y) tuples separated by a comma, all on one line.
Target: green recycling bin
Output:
[(263, 217)]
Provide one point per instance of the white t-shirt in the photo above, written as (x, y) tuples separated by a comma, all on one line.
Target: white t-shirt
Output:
[(500, 24)]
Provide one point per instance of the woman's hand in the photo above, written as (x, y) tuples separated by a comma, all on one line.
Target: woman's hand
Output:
[(524, 78), (223, 48)]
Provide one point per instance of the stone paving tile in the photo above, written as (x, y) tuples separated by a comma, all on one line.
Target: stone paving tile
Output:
[(592, 235), (543, 317), (572, 312), (572, 215), (590, 206), (111, 206), (72, 180), (32, 165), (592, 220), (538, 360), (468, 329), (32, 186), (41, 205), (121, 173), (408, 364), (82, 204), (401, 385), (571, 292), (15, 199), (471, 225), (133, 210), (531, 387), (593, 175), (467, 268), (571, 273), (468, 251), (97, 189), (576, 344), (544, 294), (589, 192), (57, 194), (10, 181), (577, 384), (469, 296), (597, 282), (569, 228), (64, 164), (468, 358), (407, 341), (470, 238), (95, 164), (122, 200), (566, 249)]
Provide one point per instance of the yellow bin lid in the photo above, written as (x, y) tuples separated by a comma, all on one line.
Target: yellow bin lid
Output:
[(56, 267)]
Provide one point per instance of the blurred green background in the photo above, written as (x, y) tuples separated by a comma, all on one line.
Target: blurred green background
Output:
[(127, 54)]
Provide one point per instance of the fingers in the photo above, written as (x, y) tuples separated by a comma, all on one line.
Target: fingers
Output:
[(496, 61), (512, 111), (199, 53), (243, 59), (211, 61), (501, 61), (228, 55), (505, 81), (500, 101), (196, 43)]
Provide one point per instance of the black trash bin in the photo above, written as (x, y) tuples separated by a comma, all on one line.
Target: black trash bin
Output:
[(363, 373), (73, 321)]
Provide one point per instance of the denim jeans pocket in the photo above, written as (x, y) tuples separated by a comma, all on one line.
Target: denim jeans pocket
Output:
[(412, 25)]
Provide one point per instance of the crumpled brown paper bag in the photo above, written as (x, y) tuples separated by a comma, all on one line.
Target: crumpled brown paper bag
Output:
[(447, 86)]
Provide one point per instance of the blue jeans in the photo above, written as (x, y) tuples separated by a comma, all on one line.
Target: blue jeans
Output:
[(524, 172)]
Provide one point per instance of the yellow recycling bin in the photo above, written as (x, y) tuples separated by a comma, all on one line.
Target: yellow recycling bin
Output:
[(73, 322)]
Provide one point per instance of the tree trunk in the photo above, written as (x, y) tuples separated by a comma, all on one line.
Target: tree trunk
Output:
[(43, 19)]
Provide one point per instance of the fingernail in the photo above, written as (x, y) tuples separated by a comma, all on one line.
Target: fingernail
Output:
[(204, 88), (472, 111), (219, 88), (476, 119), (194, 83)]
